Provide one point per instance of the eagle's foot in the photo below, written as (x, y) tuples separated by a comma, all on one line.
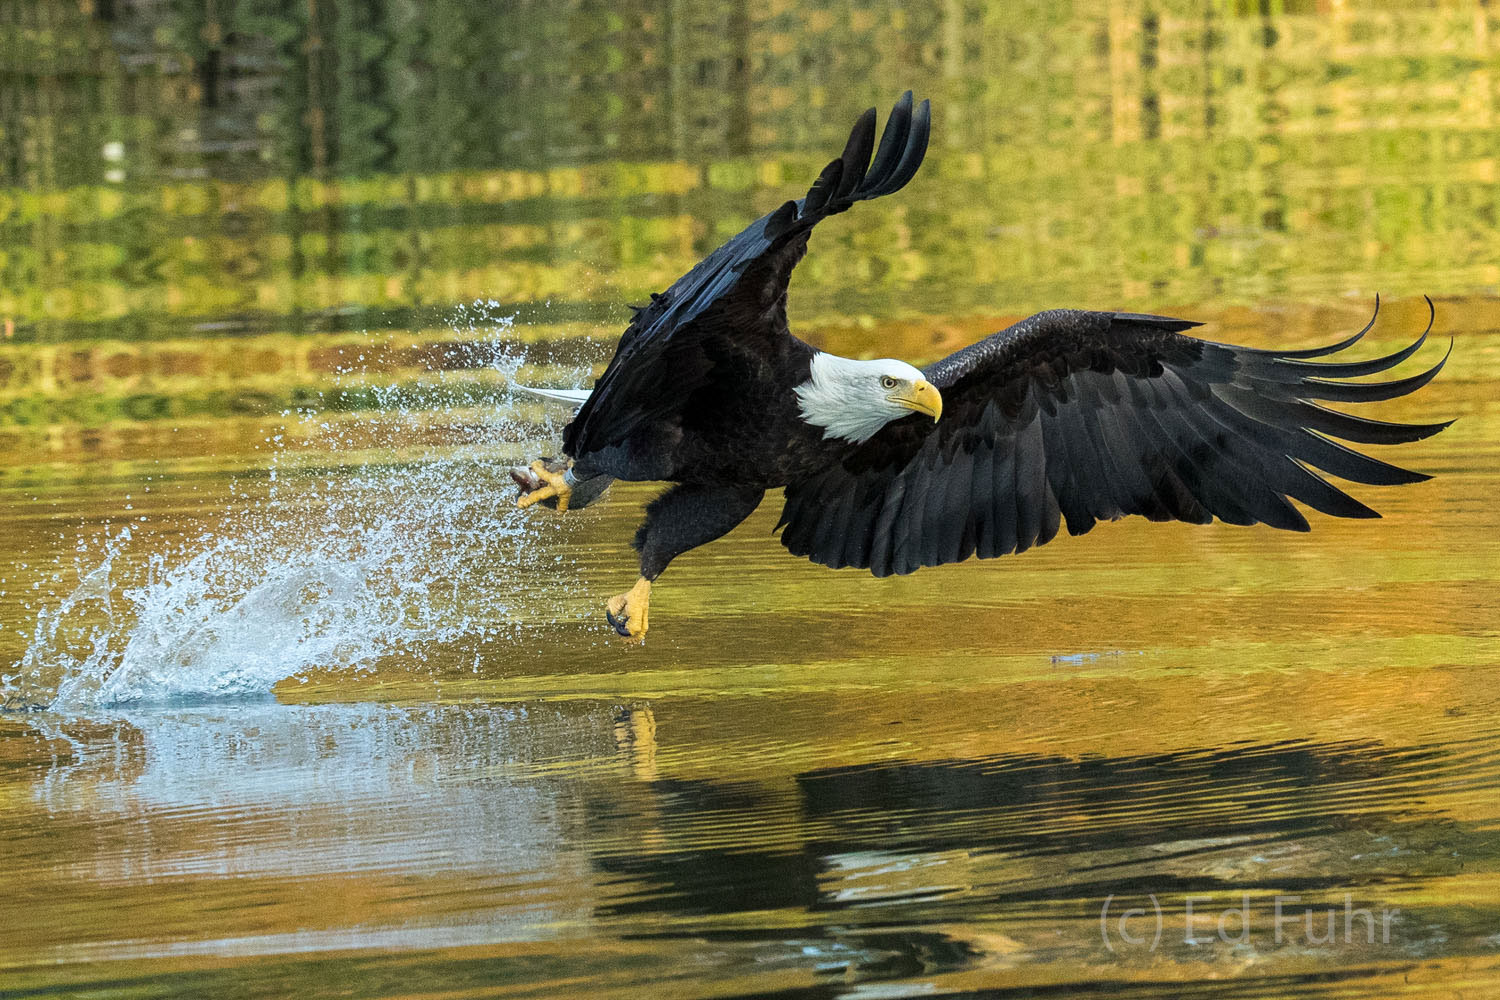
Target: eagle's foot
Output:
[(554, 484), (627, 612)]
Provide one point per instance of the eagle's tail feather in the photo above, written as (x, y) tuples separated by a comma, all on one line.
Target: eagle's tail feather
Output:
[(574, 397)]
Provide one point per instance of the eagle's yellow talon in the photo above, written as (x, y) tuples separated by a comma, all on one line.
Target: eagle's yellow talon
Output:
[(556, 486), (627, 612)]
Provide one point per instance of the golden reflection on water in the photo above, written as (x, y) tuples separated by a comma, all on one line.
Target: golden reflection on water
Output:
[(223, 247)]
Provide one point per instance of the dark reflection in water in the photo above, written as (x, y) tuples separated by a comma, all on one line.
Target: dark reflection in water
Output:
[(1224, 820), (529, 831)]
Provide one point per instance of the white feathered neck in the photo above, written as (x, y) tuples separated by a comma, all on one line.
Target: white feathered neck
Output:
[(846, 399)]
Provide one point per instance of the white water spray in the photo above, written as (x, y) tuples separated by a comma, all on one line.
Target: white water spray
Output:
[(333, 568)]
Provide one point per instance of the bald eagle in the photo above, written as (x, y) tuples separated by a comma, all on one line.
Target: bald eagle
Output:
[(1067, 417)]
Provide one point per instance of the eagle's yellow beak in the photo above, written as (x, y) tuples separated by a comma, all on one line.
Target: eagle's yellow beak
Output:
[(923, 397)]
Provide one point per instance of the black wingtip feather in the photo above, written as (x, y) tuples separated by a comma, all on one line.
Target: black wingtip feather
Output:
[(1370, 392), (823, 189), (911, 156), (1327, 349), (892, 143), (1352, 369), (783, 217), (1293, 414), (855, 177), (856, 156)]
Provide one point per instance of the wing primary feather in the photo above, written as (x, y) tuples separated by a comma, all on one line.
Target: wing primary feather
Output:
[(1369, 392), (1167, 496), (1161, 422), (1321, 495), (892, 143), (1251, 484), (1291, 369), (1282, 468), (1051, 516), (1208, 490), (823, 189), (1166, 464), (1346, 463), (1326, 453), (856, 156), (1317, 352), (911, 157), (1281, 457), (1274, 471), (784, 216), (1291, 414)]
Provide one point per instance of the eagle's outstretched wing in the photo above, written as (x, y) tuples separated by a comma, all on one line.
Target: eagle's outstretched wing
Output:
[(739, 290), (1086, 416)]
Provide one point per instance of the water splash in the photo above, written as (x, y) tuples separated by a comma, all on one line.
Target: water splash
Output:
[(352, 553)]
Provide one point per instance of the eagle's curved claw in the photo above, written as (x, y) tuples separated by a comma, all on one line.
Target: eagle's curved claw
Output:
[(555, 484), (627, 612)]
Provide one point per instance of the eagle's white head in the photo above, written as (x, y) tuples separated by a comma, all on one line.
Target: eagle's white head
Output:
[(854, 399)]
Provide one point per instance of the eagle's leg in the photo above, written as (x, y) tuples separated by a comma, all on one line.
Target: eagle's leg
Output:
[(684, 517), (554, 484), (626, 613), (579, 486)]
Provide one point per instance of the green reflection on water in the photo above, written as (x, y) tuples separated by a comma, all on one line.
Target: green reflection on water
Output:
[(266, 166), (190, 193)]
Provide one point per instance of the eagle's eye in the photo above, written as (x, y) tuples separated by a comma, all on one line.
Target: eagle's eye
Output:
[(887, 382)]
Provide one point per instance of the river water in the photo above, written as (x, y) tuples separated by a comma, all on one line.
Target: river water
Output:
[(297, 704)]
